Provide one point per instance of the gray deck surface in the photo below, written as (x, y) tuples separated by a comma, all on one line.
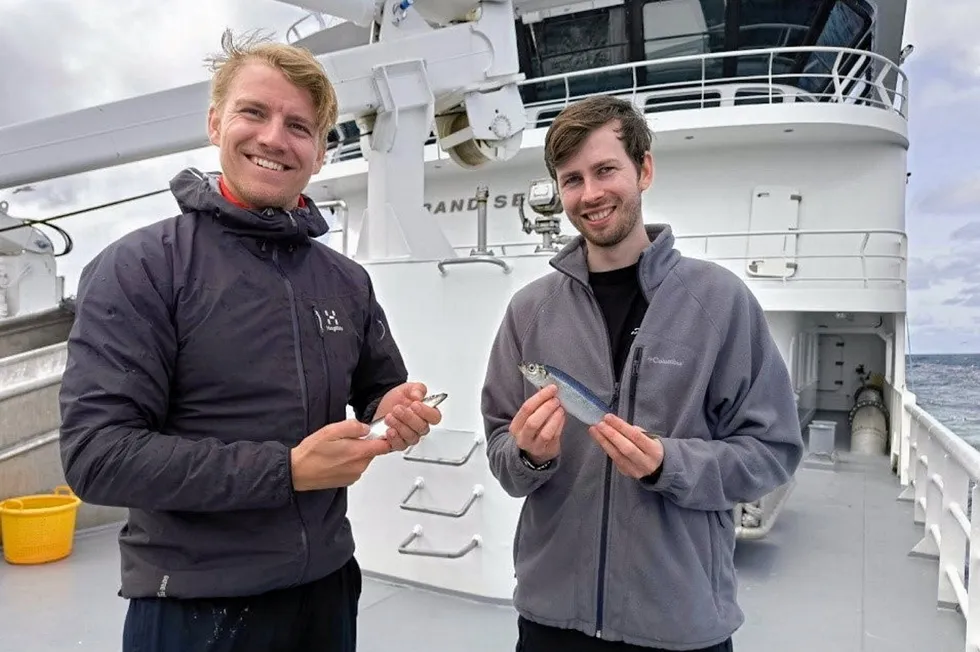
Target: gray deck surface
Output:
[(833, 575)]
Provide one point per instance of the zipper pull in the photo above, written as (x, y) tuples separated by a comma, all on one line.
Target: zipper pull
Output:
[(319, 321), (615, 397)]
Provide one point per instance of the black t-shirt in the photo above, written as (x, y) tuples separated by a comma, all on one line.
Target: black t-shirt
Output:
[(623, 306)]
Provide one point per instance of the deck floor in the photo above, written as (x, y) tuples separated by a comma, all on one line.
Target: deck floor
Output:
[(834, 574)]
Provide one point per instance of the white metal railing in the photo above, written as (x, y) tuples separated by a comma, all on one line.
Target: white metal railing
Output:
[(792, 238), (855, 77), (850, 76), (310, 24), (943, 473)]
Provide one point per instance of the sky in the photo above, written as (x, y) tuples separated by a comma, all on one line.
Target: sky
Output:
[(70, 55)]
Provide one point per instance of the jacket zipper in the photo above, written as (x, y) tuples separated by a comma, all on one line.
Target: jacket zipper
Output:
[(297, 351), (323, 357), (634, 374), (607, 474), (604, 532)]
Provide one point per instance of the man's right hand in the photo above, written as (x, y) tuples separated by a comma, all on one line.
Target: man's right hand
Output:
[(537, 426), (334, 456)]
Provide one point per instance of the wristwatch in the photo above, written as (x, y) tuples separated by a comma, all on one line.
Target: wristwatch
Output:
[(531, 465)]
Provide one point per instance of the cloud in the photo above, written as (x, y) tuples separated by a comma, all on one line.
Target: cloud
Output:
[(945, 31), (961, 197), (943, 207), (114, 49), (970, 231)]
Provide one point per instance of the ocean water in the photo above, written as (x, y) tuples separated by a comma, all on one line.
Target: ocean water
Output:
[(948, 387)]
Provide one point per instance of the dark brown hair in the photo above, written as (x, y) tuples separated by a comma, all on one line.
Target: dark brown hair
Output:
[(577, 121)]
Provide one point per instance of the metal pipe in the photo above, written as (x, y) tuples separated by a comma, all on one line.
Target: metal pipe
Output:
[(482, 195)]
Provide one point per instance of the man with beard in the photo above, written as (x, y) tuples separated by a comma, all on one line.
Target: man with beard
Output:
[(626, 537)]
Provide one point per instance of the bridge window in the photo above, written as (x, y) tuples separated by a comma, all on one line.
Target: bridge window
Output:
[(775, 23), (576, 42), (848, 25), (677, 28)]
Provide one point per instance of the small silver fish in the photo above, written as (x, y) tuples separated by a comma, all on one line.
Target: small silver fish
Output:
[(577, 399), (379, 427)]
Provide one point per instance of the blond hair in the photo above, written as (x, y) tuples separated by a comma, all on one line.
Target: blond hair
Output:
[(297, 64)]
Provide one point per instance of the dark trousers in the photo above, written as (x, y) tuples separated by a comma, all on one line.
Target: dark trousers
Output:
[(533, 637), (320, 616)]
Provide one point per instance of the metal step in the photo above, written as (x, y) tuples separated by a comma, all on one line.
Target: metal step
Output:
[(31, 332)]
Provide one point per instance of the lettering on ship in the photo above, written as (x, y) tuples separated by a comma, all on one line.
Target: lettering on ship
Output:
[(461, 204)]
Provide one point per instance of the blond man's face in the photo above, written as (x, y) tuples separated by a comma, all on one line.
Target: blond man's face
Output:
[(267, 136)]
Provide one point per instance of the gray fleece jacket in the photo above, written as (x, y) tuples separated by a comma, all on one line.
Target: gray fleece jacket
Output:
[(645, 562)]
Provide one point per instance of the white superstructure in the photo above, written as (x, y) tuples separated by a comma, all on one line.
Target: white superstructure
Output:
[(780, 152)]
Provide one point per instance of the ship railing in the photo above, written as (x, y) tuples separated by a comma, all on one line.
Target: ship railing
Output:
[(834, 75), (849, 76), (879, 255), (943, 476), (862, 246), (310, 24)]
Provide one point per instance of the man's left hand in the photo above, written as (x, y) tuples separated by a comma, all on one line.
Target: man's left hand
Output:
[(407, 418), (634, 453)]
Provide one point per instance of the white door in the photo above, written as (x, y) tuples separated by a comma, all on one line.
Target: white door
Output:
[(774, 209)]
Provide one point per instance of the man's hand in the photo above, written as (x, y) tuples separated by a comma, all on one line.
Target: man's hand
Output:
[(334, 456), (634, 453), (408, 419), (538, 425)]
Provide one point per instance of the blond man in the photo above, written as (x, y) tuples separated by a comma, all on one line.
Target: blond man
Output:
[(625, 542), (209, 369)]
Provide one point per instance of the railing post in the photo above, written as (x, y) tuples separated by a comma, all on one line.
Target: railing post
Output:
[(909, 457), (921, 476), (909, 452), (953, 535), (928, 546), (972, 609)]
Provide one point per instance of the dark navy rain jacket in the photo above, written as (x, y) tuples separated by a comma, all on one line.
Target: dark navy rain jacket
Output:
[(206, 346)]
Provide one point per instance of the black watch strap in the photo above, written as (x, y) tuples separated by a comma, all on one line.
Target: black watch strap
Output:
[(531, 465)]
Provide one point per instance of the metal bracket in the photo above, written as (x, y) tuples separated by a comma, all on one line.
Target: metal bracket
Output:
[(420, 482), (474, 258), (475, 542), (402, 86), (443, 460)]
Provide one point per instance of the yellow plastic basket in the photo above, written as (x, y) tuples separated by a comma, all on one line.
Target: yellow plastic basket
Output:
[(39, 528)]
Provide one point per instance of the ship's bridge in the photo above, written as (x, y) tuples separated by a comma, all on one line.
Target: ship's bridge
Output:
[(780, 141), (689, 52), (629, 31)]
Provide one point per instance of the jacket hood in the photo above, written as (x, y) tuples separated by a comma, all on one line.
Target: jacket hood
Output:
[(198, 192), (656, 261)]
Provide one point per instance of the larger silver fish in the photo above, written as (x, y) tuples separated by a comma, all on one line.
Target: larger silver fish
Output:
[(379, 427), (577, 399)]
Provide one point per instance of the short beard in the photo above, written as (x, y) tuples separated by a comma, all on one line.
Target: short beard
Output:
[(607, 240)]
